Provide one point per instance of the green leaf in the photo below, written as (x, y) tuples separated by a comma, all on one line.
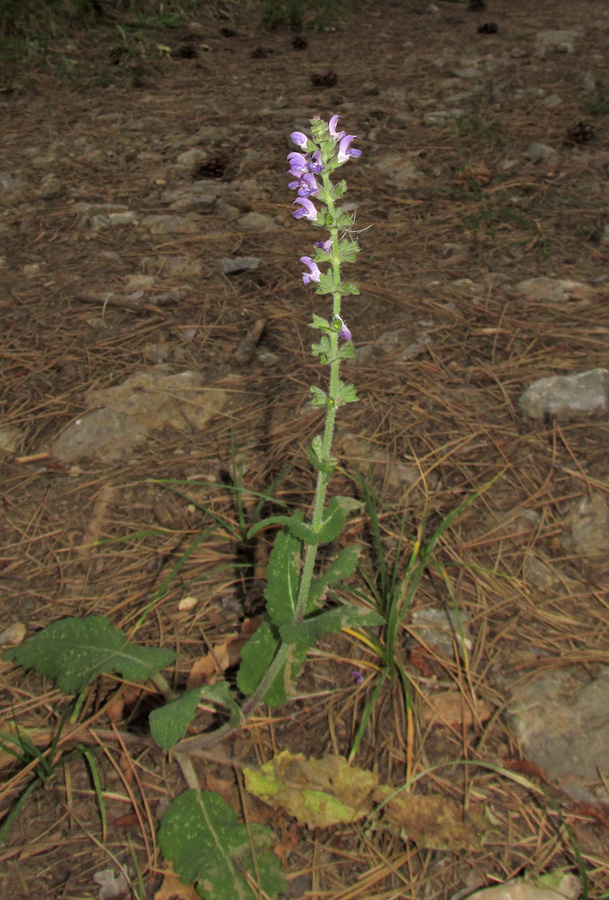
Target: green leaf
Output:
[(343, 566), (347, 287), (318, 398), (211, 849), (346, 394), (321, 324), (169, 724), (310, 630), (348, 250), (74, 651), (326, 283), (346, 351), (256, 657), (283, 578), (323, 350)]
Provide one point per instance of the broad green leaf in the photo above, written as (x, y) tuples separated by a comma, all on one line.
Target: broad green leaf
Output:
[(318, 398), (343, 566), (347, 287), (256, 657), (326, 283), (321, 324), (310, 630), (169, 724), (73, 652), (283, 578), (346, 394), (211, 849)]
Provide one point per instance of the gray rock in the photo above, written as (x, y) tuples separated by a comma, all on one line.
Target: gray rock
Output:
[(199, 197), (541, 153), (11, 186), (164, 266), (235, 264), (567, 396), (561, 721), (253, 221), (538, 573), (51, 189), (10, 439), (96, 157), (192, 157), (553, 290), (589, 532), (400, 169), (442, 629), (99, 212), (172, 224), (122, 417), (555, 41)]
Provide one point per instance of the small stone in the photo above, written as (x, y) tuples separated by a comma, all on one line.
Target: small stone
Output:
[(254, 221), (235, 264), (538, 573), (51, 189), (541, 152), (589, 534), (171, 225), (567, 396), (192, 157), (13, 635), (10, 439), (97, 157)]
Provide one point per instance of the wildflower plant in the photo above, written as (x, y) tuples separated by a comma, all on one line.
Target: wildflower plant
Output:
[(200, 834)]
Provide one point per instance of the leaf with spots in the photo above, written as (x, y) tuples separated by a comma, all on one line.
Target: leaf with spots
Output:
[(209, 848), (74, 651)]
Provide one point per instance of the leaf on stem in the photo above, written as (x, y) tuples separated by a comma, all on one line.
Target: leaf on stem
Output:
[(310, 630), (208, 846), (256, 658), (74, 651), (283, 578), (169, 724)]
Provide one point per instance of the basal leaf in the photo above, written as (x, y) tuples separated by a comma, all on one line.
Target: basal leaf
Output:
[(283, 578), (318, 792), (169, 724), (73, 652), (309, 631), (211, 849), (256, 657)]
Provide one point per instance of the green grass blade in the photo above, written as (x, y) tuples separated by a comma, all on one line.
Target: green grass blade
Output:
[(370, 704)]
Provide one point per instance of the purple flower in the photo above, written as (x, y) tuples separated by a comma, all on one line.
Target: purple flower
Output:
[(315, 165), (300, 139), (344, 333), (343, 149), (324, 245), (337, 135), (314, 274), (299, 164), (357, 676), (307, 211), (306, 185)]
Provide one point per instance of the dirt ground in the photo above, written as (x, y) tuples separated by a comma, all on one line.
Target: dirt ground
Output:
[(453, 213)]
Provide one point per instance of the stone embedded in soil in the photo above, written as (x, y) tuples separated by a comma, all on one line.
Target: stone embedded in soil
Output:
[(122, 417), (442, 629), (51, 189), (561, 722), (192, 157), (567, 397), (260, 222), (554, 41), (168, 266), (10, 439), (589, 532), (541, 153), (172, 224), (538, 573), (554, 290), (233, 265), (562, 887), (200, 197), (401, 170)]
